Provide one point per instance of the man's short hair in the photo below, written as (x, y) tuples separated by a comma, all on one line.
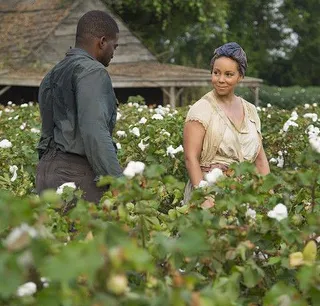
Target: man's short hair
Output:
[(96, 24)]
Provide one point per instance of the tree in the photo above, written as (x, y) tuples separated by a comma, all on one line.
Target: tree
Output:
[(174, 30)]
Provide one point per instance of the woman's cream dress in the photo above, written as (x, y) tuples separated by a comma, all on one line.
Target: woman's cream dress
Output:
[(223, 142)]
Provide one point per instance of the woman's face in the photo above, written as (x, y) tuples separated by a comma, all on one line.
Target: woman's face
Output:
[(225, 75)]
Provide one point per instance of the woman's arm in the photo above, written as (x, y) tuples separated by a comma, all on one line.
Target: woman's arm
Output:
[(262, 163), (193, 135)]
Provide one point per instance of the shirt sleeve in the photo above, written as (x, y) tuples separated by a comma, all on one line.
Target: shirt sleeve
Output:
[(96, 106), (201, 112)]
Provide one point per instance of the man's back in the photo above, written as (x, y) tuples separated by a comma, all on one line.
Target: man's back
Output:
[(58, 105)]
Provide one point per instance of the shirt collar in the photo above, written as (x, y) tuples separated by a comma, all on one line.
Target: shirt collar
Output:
[(79, 51)]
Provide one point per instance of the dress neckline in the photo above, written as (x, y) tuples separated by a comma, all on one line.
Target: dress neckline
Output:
[(243, 128)]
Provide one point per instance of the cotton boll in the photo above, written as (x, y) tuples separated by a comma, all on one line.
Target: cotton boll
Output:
[(135, 131), (279, 212), (5, 144), (68, 184), (143, 120), (121, 134), (27, 289), (212, 176), (13, 170), (157, 117), (134, 168)]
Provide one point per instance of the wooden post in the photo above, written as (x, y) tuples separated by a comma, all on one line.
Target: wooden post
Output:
[(172, 97), (256, 96), (3, 90)]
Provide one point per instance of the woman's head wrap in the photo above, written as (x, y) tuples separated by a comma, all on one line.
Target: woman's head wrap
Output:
[(234, 51)]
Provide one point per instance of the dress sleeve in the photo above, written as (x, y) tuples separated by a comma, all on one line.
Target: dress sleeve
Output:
[(254, 116), (201, 112)]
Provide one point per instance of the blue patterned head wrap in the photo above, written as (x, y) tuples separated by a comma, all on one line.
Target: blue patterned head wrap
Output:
[(234, 51)]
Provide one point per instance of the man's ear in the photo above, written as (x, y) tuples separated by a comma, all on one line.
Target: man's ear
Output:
[(102, 41)]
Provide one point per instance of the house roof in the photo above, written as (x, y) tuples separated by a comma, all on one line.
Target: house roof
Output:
[(36, 33)]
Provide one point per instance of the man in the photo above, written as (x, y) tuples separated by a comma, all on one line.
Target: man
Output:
[(78, 111)]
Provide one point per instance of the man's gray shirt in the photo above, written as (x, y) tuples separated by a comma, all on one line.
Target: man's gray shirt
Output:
[(78, 110)]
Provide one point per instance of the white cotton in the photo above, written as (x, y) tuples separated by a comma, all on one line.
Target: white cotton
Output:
[(23, 126), (287, 124), (212, 176), (140, 109), (143, 120), (27, 289), (315, 105), (273, 160), (130, 104), (0, 113), (294, 116), (280, 163), (173, 151), (13, 170), (16, 117), (164, 132), (269, 116), (315, 144), (118, 116), (121, 134), (133, 168), (34, 130), (135, 131), (269, 105), (17, 232), (251, 213), (160, 111), (202, 184), (9, 103), (258, 108), (5, 144), (118, 145), (306, 106), (8, 110), (157, 117), (135, 104), (24, 105), (313, 116), (279, 212), (142, 146), (68, 184), (314, 138)]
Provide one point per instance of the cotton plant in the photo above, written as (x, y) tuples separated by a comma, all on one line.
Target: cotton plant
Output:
[(143, 120), (135, 131), (27, 289), (5, 144), (142, 145), (121, 134), (312, 116), (157, 117), (279, 212), (279, 161), (171, 151), (290, 122), (133, 168), (68, 184), (13, 170)]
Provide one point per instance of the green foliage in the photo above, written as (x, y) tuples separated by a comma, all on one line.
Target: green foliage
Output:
[(281, 38), (141, 247), (283, 97)]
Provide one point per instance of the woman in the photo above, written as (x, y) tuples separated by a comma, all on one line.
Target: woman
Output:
[(222, 128)]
